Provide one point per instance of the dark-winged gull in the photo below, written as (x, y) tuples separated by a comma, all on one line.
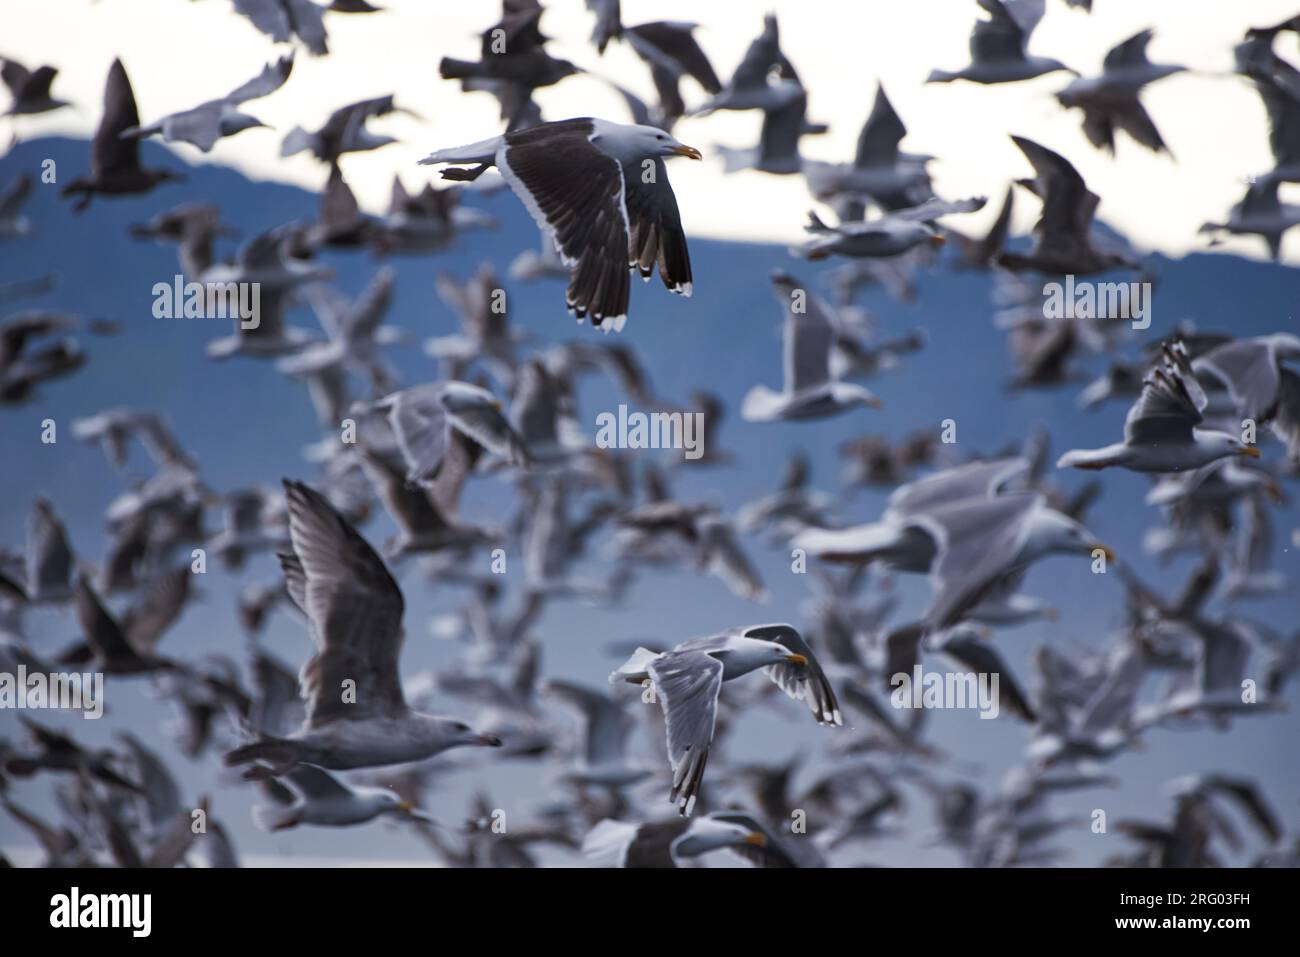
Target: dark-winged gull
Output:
[(688, 679), (602, 189), (1110, 101), (999, 46), (1160, 431), (30, 89), (114, 161), (755, 85), (671, 51), (677, 843), (1063, 241), (355, 611), (208, 122)]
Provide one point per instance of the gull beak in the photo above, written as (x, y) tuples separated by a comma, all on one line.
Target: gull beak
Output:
[(496, 404), (1274, 492), (1250, 451), (796, 659), (690, 152), (938, 239), (756, 838), (488, 741), (406, 806), (1105, 550), (875, 402)]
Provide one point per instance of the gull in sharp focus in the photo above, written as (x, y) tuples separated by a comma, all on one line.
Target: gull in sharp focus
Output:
[(602, 189), (688, 679), (1160, 430)]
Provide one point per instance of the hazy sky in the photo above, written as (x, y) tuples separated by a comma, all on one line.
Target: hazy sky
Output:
[(179, 53)]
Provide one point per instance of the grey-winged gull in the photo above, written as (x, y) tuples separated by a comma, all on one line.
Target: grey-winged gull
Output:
[(355, 609), (809, 390), (208, 122), (688, 679), (1160, 431)]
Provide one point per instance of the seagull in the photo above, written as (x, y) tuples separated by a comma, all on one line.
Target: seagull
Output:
[(263, 264), (999, 46), (687, 680), (1110, 101), (423, 417), (1258, 213), (675, 843), (880, 170), (809, 390), (208, 122), (1063, 242), (753, 86), (890, 234), (671, 51), (194, 227), (114, 161), (1160, 431), (605, 727), (30, 89), (311, 795), (282, 20), (973, 539), (602, 189), (344, 132), (355, 611), (1259, 384), (49, 559)]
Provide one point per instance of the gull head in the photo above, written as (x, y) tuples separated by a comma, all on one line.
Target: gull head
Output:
[(652, 141), (708, 834)]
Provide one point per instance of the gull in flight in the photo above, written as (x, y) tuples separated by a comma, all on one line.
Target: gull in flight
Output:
[(688, 679), (357, 716), (602, 190)]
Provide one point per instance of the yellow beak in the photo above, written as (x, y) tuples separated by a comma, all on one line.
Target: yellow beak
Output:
[(1250, 451), (406, 806), (1110, 555), (690, 152), (796, 659), (757, 839)]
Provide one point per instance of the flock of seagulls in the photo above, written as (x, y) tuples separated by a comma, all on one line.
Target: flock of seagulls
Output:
[(347, 737)]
